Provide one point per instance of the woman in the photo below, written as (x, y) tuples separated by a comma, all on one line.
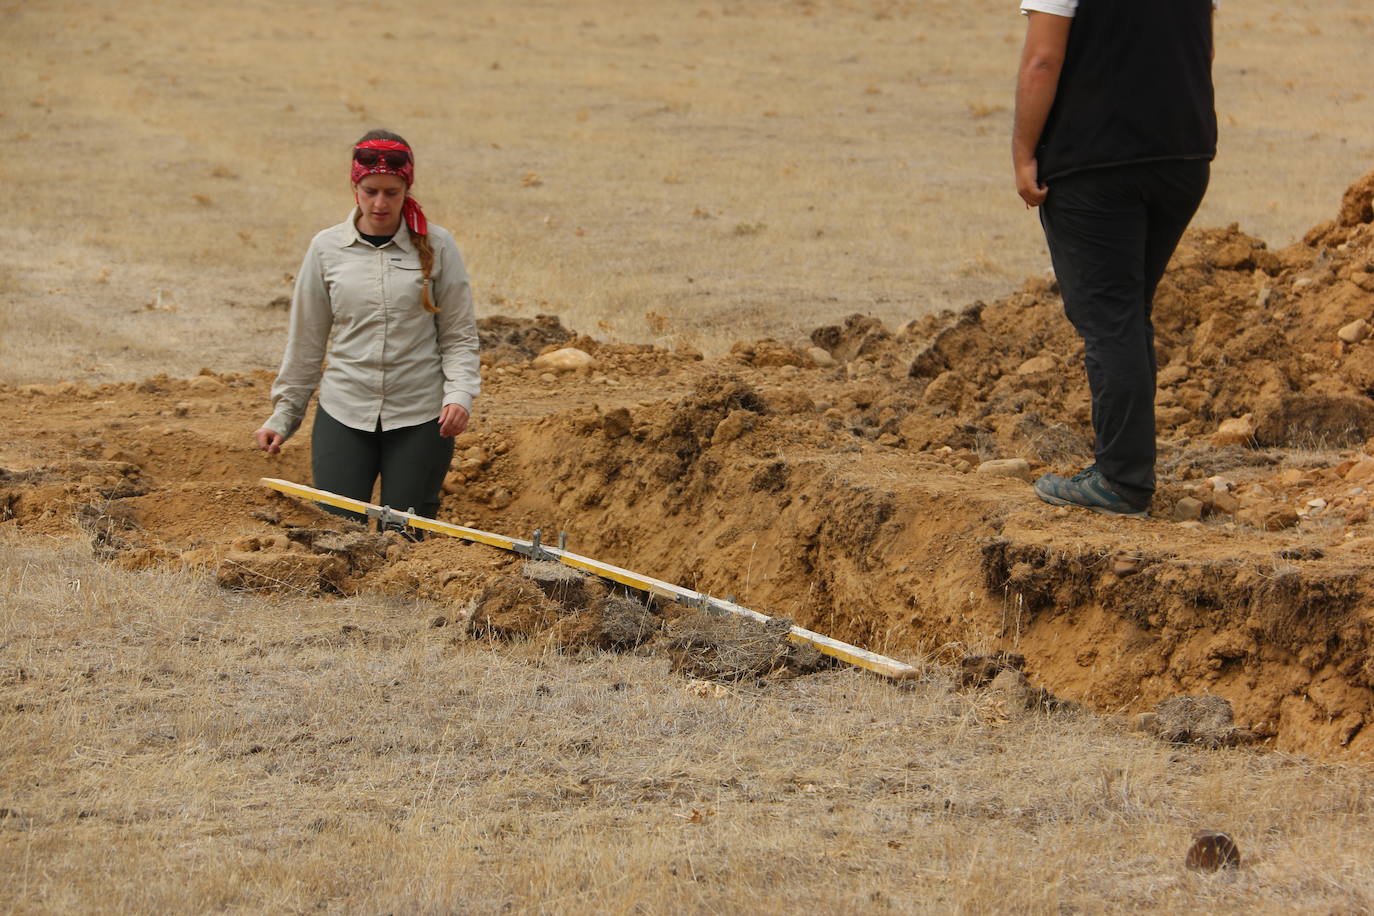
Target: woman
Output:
[(385, 296)]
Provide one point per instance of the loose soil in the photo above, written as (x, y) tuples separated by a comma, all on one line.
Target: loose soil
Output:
[(852, 497)]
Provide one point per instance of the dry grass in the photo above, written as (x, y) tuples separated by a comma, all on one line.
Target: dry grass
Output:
[(167, 747), (192, 148)]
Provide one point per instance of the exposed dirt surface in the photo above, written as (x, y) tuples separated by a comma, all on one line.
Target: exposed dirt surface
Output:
[(844, 482)]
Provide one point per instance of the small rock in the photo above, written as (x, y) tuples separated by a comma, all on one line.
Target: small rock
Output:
[(1170, 376), (821, 357), (616, 423), (1212, 850), (1225, 502), (1294, 477), (1235, 431), (568, 359), (1006, 467), (1354, 332), (1124, 566), (1268, 515), (1036, 364), (1187, 509), (1361, 472), (860, 368), (1013, 686), (500, 498), (735, 424), (548, 377)]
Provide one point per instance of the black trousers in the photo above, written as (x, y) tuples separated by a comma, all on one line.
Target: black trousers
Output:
[(411, 461), (1111, 232)]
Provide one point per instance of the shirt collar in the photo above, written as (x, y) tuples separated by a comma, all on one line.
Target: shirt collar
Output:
[(351, 236)]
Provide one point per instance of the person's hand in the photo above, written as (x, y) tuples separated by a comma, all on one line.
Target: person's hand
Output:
[(453, 419), (269, 440), (1028, 183)]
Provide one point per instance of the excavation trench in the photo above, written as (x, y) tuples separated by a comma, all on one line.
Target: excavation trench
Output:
[(727, 491)]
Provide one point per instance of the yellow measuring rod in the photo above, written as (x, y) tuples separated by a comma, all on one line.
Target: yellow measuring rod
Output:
[(871, 661)]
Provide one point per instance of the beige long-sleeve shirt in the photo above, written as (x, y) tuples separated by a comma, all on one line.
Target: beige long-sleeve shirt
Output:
[(388, 360)]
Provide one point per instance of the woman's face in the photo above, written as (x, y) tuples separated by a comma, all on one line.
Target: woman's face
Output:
[(379, 199)]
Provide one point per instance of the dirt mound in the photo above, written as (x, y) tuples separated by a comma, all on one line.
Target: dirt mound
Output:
[(717, 647), (836, 482), (518, 340)]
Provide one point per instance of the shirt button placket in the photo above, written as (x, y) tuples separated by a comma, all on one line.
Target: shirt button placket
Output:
[(382, 326)]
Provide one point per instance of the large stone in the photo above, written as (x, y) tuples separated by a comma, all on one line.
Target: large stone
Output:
[(946, 392), (568, 359)]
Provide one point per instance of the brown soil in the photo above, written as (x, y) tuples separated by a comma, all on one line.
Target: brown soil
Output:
[(849, 498)]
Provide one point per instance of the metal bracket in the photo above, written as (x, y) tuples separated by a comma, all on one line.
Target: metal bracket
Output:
[(387, 518), (535, 549)]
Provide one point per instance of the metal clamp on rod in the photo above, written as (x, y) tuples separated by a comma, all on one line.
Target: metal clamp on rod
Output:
[(534, 549), (387, 518)]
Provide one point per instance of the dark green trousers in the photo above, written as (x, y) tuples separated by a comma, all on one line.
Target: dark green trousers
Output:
[(411, 461)]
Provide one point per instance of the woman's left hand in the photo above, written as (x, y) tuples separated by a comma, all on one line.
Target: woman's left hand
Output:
[(453, 419)]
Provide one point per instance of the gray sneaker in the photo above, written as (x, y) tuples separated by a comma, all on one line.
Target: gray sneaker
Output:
[(1087, 489)]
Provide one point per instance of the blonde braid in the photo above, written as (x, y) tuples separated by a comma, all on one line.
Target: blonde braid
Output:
[(426, 266)]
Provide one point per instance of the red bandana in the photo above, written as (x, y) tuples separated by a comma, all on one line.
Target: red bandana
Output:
[(410, 210)]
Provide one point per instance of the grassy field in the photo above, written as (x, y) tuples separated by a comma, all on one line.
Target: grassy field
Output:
[(169, 747), (682, 173)]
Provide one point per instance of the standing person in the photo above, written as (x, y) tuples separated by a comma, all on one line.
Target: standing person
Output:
[(1114, 133), (385, 297)]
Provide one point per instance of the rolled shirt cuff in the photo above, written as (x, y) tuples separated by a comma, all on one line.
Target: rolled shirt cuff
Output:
[(283, 423), (462, 398)]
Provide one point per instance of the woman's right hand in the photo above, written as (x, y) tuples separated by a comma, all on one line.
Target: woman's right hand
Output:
[(269, 440)]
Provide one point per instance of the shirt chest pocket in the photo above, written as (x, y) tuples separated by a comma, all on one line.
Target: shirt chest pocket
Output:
[(404, 274)]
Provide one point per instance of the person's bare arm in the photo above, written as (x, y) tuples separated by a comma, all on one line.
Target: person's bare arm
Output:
[(1037, 81)]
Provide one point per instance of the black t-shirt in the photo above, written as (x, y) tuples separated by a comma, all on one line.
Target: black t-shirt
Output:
[(376, 241), (1136, 86)]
